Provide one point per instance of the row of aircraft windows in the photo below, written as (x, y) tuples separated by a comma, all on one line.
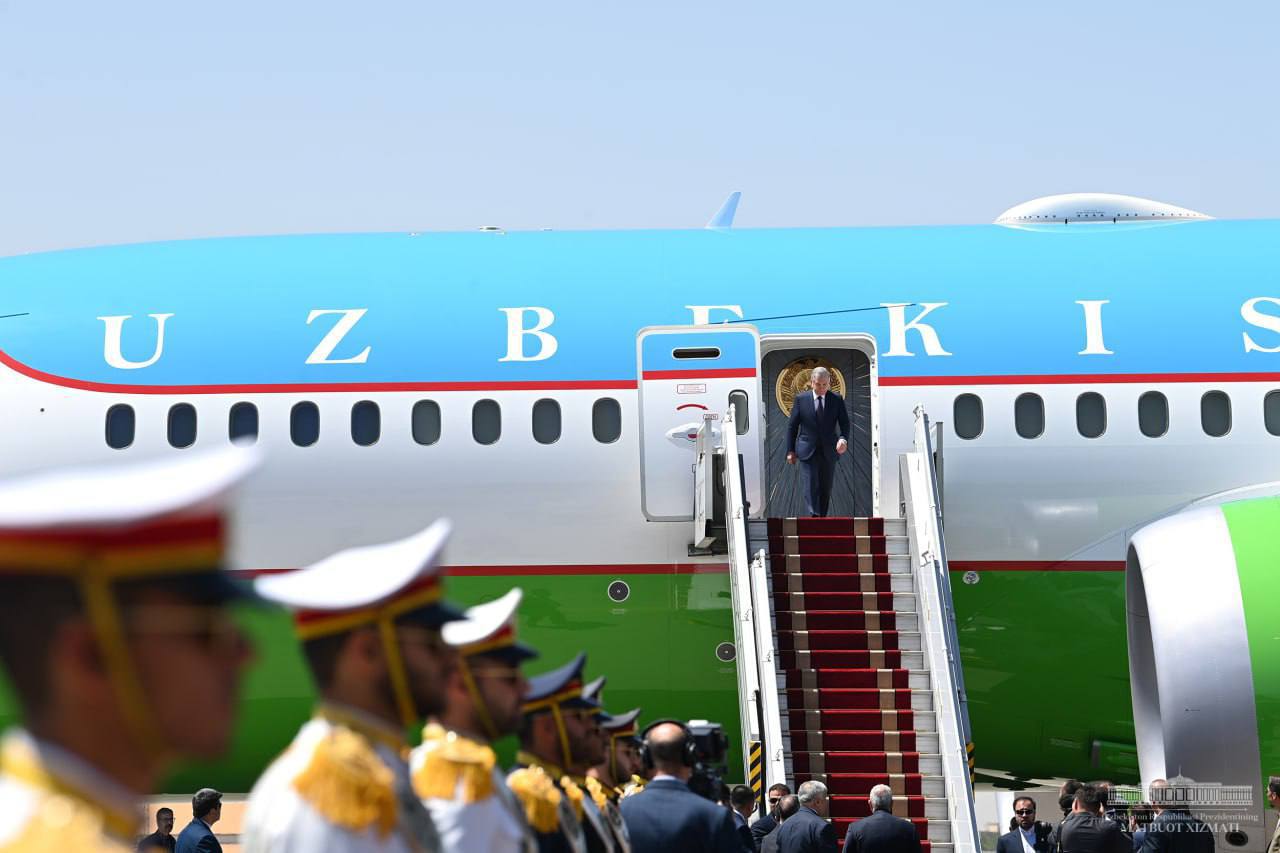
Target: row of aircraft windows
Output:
[(366, 423), (1091, 414)]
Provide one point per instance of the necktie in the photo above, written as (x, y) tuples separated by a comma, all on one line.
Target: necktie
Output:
[(820, 407)]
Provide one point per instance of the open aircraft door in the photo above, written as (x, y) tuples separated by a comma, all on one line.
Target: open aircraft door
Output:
[(687, 372)]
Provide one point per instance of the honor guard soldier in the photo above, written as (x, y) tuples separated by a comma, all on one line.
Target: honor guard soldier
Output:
[(116, 633), (455, 769), (598, 755), (622, 765), (369, 620), (556, 720)]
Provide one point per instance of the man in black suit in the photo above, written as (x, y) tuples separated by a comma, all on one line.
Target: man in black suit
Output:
[(769, 822), (666, 817), (1174, 830), (787, 808), (809, 831), (1029, 833), (1087, 830), (881, 832), (198, 837), (817, 435), (742, 800)]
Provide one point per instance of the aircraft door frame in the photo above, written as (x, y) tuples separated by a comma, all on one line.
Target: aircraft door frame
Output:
[(684, 372)]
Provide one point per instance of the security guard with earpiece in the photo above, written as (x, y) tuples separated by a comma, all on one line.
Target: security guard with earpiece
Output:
[(370, 621), (116, 632), (455, 770), (666, 817)]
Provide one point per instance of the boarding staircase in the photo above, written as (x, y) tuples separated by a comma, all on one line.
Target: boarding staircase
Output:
[(848, 663)]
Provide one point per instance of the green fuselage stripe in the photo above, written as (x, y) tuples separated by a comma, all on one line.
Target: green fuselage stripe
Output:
[(1255, 537)]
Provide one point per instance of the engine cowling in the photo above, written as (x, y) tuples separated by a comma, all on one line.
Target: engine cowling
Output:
[(1203, 599)]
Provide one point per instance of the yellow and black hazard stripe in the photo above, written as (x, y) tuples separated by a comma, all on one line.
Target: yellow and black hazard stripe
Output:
[(968, 749), (755, 773)]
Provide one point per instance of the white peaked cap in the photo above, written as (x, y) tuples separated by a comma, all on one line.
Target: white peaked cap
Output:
[(121, 495), (483, 620), (359, 577)]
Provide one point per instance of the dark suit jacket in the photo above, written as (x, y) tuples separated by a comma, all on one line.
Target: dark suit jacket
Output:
[(1085, 833), (1011, 842), (761, 828), (1176, 831), (805, 436), (769, 844), (744, 831), (197, 838), (881, 832), (806, 832), (666, 817)]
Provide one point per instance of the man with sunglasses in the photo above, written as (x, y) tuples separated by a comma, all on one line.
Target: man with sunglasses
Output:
[(116, 633), (455, 769), (370, 621), (1029, 835), (769, 822)]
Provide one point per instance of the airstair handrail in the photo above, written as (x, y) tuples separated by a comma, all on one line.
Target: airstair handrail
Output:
[(922, 508)]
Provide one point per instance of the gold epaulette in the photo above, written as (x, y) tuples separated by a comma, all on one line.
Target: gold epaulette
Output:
[(349, 784), (635, 786), (63, 823), (575, 795), (450, 760), (597, 792), (539, 796)]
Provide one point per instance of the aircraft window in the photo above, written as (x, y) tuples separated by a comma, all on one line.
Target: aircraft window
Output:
[(182, 425), (366, 423), (486, 421), (741, 411), (546, 421), (606, 420), (1091, 414), (242, 425), (1153, 414), (1028, 415), (1215, 413), (967, 416), (1271, 412), (304, 424), (120, 426), (426, 422)]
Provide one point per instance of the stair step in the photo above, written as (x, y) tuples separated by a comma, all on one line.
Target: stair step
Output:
[(801, 659), (759, 528), (846, 620), (816, 564), (844, 582), (838, 640), (902, 784), (931, 808), (935, 832), (844, 601), (846, 698), (874, 740), (840, 526), (882, 763), (862, 677), (825, 544), (809, 720)]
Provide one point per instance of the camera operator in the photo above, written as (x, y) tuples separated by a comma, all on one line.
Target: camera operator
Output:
[(667, 817), (1087, 830)]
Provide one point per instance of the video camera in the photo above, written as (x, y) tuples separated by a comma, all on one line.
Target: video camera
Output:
[(711, 748)]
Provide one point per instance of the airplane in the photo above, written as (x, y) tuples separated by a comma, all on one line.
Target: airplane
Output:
[(1096, 361)]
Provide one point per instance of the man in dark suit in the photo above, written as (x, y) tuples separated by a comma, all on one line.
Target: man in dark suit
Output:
[(742, 800), (817, 435), (1028, 832), (881, 832), (666, 817), (162, 840), (198, 837), (769, 822), (787, 807), (1087, 830), (1174, 830), (809, 831)]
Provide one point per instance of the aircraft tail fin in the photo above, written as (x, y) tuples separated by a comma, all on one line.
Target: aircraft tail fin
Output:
[(724, 216)]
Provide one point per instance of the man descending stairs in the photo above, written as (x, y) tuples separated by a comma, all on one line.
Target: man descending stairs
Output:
[(853, 682)]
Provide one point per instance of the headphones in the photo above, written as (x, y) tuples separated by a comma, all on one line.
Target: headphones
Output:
[(688, 752)]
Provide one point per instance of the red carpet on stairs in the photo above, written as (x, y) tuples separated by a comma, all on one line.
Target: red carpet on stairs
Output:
[(839, 651)]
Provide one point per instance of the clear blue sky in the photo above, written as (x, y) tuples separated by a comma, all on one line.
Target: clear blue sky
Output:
[(123, 122)]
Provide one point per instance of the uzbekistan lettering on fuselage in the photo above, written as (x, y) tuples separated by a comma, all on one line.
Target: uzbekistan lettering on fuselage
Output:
[(530, 335)]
